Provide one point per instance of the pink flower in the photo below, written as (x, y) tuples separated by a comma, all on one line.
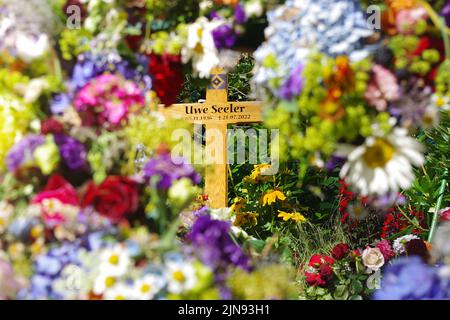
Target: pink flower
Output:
[(382, 89), (406, 20), (386, 249), (107, 100), (444, 214), (9, 283), (58, 199)]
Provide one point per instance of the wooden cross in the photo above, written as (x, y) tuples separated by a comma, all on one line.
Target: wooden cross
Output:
[(216, 113)]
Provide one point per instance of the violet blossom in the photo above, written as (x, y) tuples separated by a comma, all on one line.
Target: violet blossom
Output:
[(168, 170), (22, 152), (72, 151), (211, 242)]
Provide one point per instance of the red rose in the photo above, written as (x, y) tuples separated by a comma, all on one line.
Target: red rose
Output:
[(340, 251), (355, 253), (322, 271), (315, 260), (326, 273), (167, 74), (314, 279), (113, 198)]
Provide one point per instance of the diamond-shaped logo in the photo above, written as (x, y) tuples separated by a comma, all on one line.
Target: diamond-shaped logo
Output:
[(218, 82)]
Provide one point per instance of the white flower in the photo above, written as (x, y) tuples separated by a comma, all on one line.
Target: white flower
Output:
[(120, 291), (431, 117), (115, 261), (373, 259), (399, 243), (223, 214), (30, 48), (200, 47), (33, 90), (103, 282), (440, 101), (181, 276), (6, 212), (147, 287), (383, 163), (254, 9), (357, 211)]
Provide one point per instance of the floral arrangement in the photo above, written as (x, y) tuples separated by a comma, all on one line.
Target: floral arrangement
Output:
[(93, 205)]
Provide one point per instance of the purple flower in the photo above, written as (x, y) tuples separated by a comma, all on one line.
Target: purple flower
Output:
[(334, 162), (211, 242), (411, 279), (293, 85), (72, 151), (446, 12), (168, 170), (89, 67), (22, 151), (239, 14), (60, 103), (224, 36)]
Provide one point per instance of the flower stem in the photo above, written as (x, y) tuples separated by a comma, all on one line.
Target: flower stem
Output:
[(438, 206)]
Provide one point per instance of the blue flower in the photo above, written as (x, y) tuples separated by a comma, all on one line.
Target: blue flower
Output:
[(411, 279), (48, 267), (297, 28)]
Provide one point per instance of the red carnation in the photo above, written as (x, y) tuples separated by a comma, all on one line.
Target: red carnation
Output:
[(113, 198), (340, 251), (167, 75)]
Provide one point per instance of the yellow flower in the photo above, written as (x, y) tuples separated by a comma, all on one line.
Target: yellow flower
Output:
[(294, 216), (298, 217), (47, 156), (238, 204), (243, 218), (272, 196), (258, 175), (285, 215)]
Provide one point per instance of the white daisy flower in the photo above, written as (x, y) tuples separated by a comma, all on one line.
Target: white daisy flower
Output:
[(399, 244), (115, 261), (181, 276), (431, 117), (148, 287), (383, 163), (103, 282), (441, 101), (120, 291), (200, 47), (357, 211)]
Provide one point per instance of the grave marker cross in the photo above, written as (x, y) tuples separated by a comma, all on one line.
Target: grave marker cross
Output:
[(216, 113)]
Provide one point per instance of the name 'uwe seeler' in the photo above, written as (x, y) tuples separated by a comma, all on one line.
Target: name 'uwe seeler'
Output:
[(214, 109)]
